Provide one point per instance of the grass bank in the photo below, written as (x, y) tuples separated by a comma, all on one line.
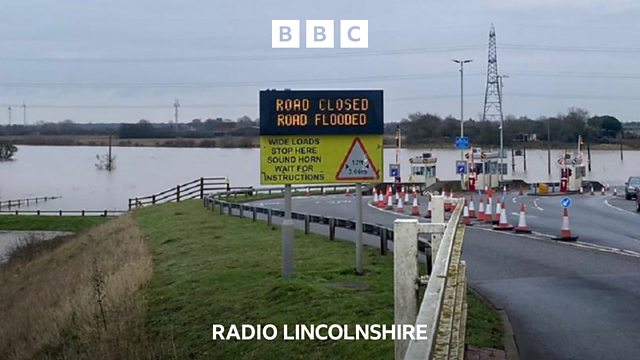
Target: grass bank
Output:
[(151, 284), (49, 223), (79, 299)]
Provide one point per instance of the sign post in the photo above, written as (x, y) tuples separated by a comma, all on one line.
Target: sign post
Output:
[(319, 137), (287, 235)]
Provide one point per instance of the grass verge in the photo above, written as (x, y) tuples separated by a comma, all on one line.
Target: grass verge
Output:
[(212, 269), (49, 223), (484, 327)]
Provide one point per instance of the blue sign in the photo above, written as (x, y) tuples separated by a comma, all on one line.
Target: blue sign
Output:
[(394, 172), (461, 167), (321, 112), (566, 202), (462, 142)]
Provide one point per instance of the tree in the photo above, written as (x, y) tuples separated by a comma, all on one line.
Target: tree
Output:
[(7, 150)]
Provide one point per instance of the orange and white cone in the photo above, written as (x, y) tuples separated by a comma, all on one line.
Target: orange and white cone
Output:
[(488, 211), (374, 200), (592, 193), (406, 197), (472, 208), (603, 190), (502, 223), (428, 214), (308, 193), (496, 219), (581, 190), (522, 222), (389, 205), (347, 193), (504, 189), (396, 197), (465, 215), (447, 205), (415, 210), (565, 231), (381, 200), (481, 209), (521, 193), (400, 206), (615, 191)]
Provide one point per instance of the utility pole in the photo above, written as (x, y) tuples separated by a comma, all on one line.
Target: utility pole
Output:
[(24, 113), (500, 77), (461, 62), (176, 105), (9, 109), (549, 148)]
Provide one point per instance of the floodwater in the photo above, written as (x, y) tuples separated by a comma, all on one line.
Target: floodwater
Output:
[(70, 172)]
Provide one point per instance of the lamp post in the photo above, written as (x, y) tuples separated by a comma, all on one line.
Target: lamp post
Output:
[(462, 62), (500, 77)]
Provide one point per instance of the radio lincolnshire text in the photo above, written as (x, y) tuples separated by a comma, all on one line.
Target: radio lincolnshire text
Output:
[(320, 332)]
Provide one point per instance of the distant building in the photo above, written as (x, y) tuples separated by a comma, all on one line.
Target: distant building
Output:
[(526, 137)]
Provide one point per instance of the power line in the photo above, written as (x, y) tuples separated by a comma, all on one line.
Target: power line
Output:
[(235, 58)]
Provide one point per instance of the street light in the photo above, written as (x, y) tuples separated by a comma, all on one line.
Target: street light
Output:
[(500, 77), (462, 62)]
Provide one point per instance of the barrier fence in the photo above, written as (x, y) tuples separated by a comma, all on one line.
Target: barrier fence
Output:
[(25, 202)]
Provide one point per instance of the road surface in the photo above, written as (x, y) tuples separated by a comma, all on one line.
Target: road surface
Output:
[(565, 300)]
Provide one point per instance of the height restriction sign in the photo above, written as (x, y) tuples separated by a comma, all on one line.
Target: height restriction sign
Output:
[(315, 137)]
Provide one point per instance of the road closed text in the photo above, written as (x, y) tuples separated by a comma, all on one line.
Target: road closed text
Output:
[(322, 332), (327, 112)]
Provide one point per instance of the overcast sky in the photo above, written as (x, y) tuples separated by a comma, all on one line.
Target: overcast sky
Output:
[(64, 58)]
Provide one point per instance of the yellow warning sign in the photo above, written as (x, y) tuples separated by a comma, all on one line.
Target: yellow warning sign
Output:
[(320, 159)]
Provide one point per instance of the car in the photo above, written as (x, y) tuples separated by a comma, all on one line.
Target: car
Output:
[(631, 187)]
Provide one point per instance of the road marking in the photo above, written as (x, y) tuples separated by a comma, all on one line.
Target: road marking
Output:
[(371, 205), (515, 200), (606, 202), (545, 237), (535, 204)]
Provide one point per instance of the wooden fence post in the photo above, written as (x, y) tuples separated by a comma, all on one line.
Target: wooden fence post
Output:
[(383, 241), (178, 193), (201, 188)]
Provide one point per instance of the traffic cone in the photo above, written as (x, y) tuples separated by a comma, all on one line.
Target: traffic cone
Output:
[(324, 191), (521, 193), (374, 201), (603, 191), (504, 189), (347, 193), (397, 196), (389, 205), (565, 232), (496, 218), (472, 208), (488, 211), (308, 193), (502, 223), (447, 205), (615, 191), (481, 209), (592, 193), (400, 207), (522, 222), (406, 196), (428, 214), (465, 215), (581, 190), (415, 210)]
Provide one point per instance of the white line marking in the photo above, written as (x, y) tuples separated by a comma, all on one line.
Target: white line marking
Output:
[(606, 202), (535, 204), (540, 236), (515, 200)]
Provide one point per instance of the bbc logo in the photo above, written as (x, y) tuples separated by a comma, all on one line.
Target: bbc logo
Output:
[(285, 34)]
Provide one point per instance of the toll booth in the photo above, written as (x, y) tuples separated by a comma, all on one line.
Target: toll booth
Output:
[(483, 169), (423, 169), (572, 171)]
